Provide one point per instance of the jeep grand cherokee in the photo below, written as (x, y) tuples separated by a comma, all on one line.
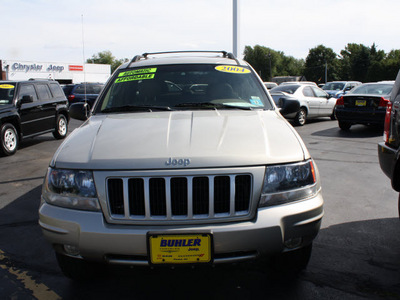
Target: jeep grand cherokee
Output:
[(184, 160)]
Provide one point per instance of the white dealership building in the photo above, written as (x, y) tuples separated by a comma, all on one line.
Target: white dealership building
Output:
[(62, 72)]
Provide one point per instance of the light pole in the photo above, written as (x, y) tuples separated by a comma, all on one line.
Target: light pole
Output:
[(235, 27)]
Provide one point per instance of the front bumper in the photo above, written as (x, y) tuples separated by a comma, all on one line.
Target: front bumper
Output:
[(357, 116), (234, 241)]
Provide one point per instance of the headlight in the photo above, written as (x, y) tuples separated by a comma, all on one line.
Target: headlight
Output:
[(71, 189), (287, 183)]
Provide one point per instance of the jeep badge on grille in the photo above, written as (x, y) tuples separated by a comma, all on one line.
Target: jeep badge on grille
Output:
[(177, 162)]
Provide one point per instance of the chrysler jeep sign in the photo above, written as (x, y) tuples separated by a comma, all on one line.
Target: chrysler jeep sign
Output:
[(20, 67)]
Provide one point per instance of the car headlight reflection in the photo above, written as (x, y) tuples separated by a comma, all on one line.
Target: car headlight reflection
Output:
[(290, 182), (71, 189)]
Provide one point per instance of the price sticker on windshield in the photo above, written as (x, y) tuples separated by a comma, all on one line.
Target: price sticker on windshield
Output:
[(232, 69), (6, 86)]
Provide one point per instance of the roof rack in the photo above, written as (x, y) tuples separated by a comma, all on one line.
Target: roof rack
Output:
[(145, 55)]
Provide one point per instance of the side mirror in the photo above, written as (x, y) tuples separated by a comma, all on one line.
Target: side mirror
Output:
[(79, 111), (288, 106), (26, 99)]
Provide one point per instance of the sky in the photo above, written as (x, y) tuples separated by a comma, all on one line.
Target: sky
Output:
[(74, 30)]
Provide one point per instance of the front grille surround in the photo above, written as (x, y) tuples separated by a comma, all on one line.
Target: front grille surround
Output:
[(179, 198), (195, 211)]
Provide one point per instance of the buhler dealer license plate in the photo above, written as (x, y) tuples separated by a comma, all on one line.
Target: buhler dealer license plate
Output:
[(180, 248)]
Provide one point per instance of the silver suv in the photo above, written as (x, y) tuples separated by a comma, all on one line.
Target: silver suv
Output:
[(184, 159)]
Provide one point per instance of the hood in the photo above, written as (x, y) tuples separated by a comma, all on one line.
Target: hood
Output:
[(180, 139)]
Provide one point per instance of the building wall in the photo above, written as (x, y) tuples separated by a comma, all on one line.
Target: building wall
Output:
[(62, 72)]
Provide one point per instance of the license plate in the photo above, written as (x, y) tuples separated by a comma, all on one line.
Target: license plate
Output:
[(361, 102), (180, 248)]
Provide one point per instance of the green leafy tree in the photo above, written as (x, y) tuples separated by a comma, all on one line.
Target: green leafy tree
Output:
[(391, 65), (355, 61), (269, 63), (106, 57), (318, 60)]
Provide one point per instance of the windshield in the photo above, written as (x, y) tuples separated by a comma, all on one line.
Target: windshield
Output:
[(6, 92), (289, 88), (171, 87), (333, 86), (373, 89)]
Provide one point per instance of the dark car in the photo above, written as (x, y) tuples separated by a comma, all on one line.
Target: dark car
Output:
[(365, 104), (283, 101), (83, 92), (29, 108), (389, 149)]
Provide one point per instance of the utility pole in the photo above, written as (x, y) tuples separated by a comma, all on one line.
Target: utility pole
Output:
[(270, 66), (326, 72), (236, 27)]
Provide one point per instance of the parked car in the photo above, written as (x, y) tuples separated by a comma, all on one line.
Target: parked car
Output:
[(314, 102), (270, 85), (83, 92), (389, 149), (284, 101), (30, 108), (298, 82), (337, 89), (365, 104), (166, 174)]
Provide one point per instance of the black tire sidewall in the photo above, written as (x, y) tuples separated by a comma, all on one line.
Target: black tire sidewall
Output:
[(3, 148), (296, 119), (56, 132)]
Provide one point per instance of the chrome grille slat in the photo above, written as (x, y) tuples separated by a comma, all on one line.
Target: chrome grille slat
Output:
[(179, 197)]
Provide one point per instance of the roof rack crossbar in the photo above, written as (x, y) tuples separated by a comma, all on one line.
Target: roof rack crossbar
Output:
[(145, 55)]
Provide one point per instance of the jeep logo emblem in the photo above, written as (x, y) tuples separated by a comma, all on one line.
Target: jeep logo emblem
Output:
[(177, 162)]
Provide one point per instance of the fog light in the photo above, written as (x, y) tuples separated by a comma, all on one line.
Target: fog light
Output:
[(71, 250), (293, 243)]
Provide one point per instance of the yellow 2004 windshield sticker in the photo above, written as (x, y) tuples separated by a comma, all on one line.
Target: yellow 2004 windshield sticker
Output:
[(6, 86), (232, 69)]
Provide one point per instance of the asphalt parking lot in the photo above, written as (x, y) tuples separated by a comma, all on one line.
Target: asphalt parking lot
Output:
[(356, 254)]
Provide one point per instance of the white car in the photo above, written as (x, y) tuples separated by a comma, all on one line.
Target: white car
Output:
[(314, 102)]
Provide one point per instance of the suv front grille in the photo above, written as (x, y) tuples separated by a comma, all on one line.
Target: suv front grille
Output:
[(179, 198)]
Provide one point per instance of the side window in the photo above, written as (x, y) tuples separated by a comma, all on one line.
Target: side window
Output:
[(43, 91), (27, 90), (56, 90), (319, 93), (89, 89), (307, 91), (80, 89)]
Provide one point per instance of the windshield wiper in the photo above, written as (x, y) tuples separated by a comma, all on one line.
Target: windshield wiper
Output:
[(211, 105), (124, 108)]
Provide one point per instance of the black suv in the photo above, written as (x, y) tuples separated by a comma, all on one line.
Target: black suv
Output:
[(29, 108), (389, 149), (83, 92)]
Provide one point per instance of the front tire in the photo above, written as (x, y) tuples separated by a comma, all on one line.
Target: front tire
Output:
[(293, 262), (61, 128), (344, 125), (78, 269), (9, 139), (301, 117), (398, 205)]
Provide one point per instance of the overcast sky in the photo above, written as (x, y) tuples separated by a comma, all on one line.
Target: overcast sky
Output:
[(52, 30)]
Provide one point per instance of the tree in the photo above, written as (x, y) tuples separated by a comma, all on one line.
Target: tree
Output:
[(106, 57), (318, 59), (355, 61), (269, 63)]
